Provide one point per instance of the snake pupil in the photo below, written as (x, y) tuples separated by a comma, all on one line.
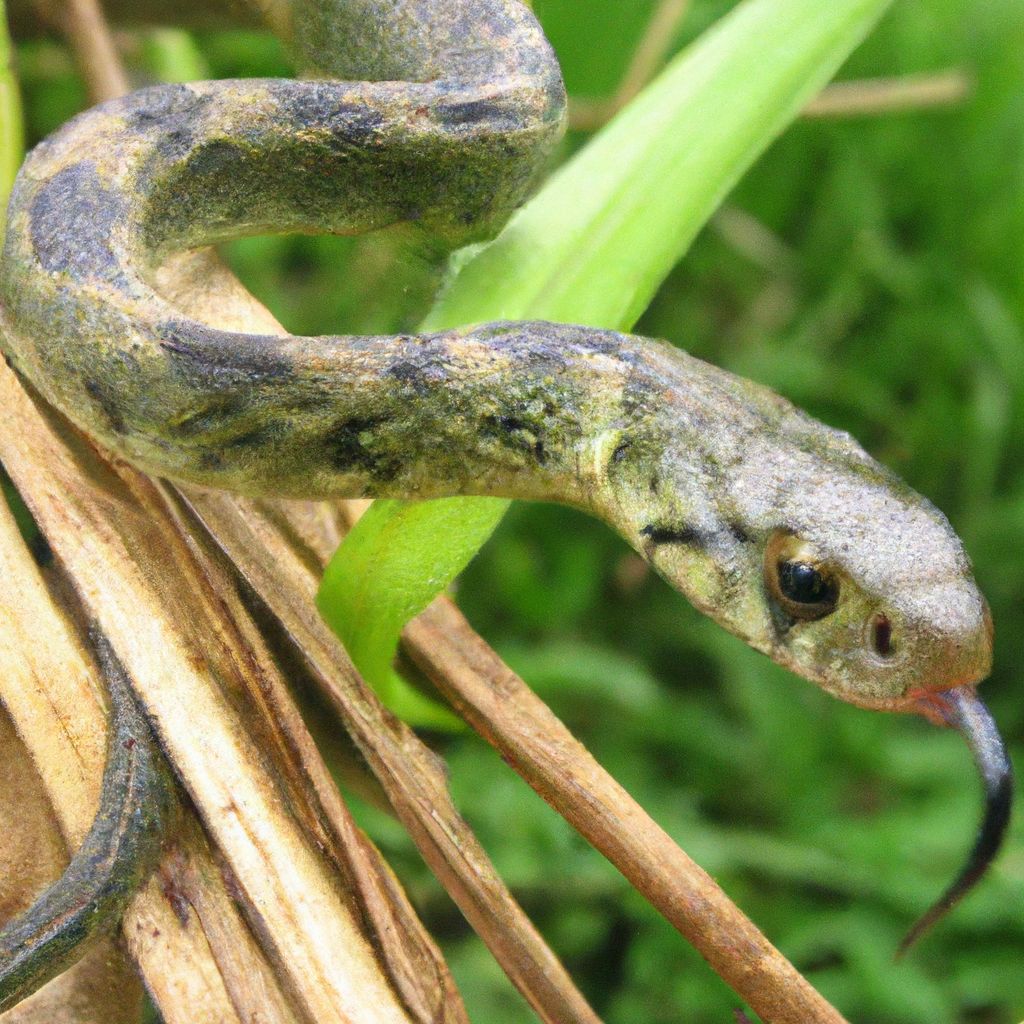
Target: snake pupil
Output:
[(805, 584)]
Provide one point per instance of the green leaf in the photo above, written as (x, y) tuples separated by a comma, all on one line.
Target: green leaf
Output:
[(171, 55), (392, 565), (12, 144), (595, 243)]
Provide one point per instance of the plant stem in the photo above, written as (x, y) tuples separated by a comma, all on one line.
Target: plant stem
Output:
[(93, 45), (887, 95)]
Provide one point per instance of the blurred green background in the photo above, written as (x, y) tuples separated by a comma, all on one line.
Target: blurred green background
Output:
[(871, 270)]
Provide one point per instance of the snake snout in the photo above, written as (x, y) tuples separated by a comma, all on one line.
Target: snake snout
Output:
[(949, 657)]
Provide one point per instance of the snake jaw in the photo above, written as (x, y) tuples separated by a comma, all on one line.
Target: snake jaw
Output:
[(962, 709)]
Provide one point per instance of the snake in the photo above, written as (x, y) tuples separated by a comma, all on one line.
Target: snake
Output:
[(120, 850), (439, 114)]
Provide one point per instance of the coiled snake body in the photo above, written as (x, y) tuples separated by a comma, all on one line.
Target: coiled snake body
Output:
[(780, 528)]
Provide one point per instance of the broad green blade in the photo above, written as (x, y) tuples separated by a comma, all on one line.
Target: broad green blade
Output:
[(171, 55), (391, 566), (595, 243), (11, 139)]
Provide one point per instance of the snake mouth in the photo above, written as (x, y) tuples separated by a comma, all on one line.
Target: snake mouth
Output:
[(962, 709)]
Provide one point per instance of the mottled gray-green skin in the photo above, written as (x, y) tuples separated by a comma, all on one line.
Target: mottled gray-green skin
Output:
[(701, 471), (120, 850)]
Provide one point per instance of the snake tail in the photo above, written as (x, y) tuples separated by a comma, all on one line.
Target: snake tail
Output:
[(120, 850)]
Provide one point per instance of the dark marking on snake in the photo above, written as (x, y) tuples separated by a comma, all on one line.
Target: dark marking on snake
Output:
[(108, 403), (72, 217), (351, 448), (687, 535)]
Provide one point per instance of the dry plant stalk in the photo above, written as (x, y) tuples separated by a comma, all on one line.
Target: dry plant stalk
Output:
[(646, 62), (532, 741), (870, 96), (413, 777), (90, 38), (51, 688)]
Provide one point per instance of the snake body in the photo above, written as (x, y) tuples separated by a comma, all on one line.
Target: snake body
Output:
[(783, 530), (121, 848)]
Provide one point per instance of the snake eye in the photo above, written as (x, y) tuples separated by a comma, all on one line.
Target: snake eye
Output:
[(800, 582)]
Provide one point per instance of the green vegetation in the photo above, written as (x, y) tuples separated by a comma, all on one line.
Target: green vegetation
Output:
[(10, 122), (400, 556), (871, 270)]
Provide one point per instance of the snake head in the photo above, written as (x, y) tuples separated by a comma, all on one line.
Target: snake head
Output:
[(790, 536), (862, 586)]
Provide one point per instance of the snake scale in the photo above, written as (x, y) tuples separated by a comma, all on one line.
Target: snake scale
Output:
[(439, 113)]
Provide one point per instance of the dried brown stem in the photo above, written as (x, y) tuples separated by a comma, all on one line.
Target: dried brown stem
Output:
[(93, 43), (748, 236), (888, 95), (536, 744), (412, 776), (861, 98), (408, 954), (502, 708), (652, 49), (29, 18)]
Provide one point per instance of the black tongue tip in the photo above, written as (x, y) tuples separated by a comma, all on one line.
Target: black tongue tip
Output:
[(964, 710)]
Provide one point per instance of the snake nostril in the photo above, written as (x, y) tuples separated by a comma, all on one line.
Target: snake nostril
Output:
[(881, 635)]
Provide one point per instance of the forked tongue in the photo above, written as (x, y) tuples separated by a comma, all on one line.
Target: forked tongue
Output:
[(964, 711)]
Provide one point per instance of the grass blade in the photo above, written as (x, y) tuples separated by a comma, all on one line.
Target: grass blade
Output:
[(392, 565), (12, 144)]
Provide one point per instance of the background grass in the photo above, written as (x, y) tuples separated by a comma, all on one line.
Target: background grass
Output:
[(892, 307)]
